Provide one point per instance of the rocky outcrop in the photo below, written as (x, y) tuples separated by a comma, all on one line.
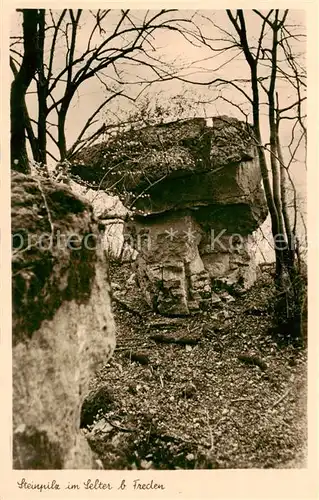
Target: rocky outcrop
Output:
[(111, 215), (195, 187), (104, 206), (63, 326)]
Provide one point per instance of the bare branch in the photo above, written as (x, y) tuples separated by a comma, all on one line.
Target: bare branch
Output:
[(90, 119)]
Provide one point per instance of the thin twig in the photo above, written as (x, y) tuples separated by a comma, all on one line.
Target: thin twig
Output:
[(281, 398), (118, 427), (240, 399)]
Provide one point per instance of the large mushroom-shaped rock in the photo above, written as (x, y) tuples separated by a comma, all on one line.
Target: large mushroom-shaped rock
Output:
[(194, 185), (63, 326)]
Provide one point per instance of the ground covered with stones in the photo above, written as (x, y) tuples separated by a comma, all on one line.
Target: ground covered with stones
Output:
[(214, 390)]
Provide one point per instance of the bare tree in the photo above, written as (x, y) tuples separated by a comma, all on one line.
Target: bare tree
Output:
[(270, 60), (63, 60), (23, 75)]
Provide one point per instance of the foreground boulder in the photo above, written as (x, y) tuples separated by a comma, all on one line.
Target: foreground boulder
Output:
[(195, 187), (62, 322)]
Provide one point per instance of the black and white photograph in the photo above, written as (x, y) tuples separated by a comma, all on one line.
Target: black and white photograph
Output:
[(159, 240)]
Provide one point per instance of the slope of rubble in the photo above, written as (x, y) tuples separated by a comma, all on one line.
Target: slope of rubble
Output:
[(213, 390)]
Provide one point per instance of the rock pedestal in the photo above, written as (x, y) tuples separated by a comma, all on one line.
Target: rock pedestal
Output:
[(230, 260), (170, 270), (63, 326), (179, 264)]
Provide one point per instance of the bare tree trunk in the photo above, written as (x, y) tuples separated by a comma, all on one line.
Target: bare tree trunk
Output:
[(22, 80), (61, 134), (284, 204), (42, 89), (31, 136), (280, 241), (275, 224)]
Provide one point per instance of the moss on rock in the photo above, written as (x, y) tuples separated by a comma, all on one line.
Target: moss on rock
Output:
[(47, 221)]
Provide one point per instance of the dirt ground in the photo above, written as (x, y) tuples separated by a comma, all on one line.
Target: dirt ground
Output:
[(213, 390)]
